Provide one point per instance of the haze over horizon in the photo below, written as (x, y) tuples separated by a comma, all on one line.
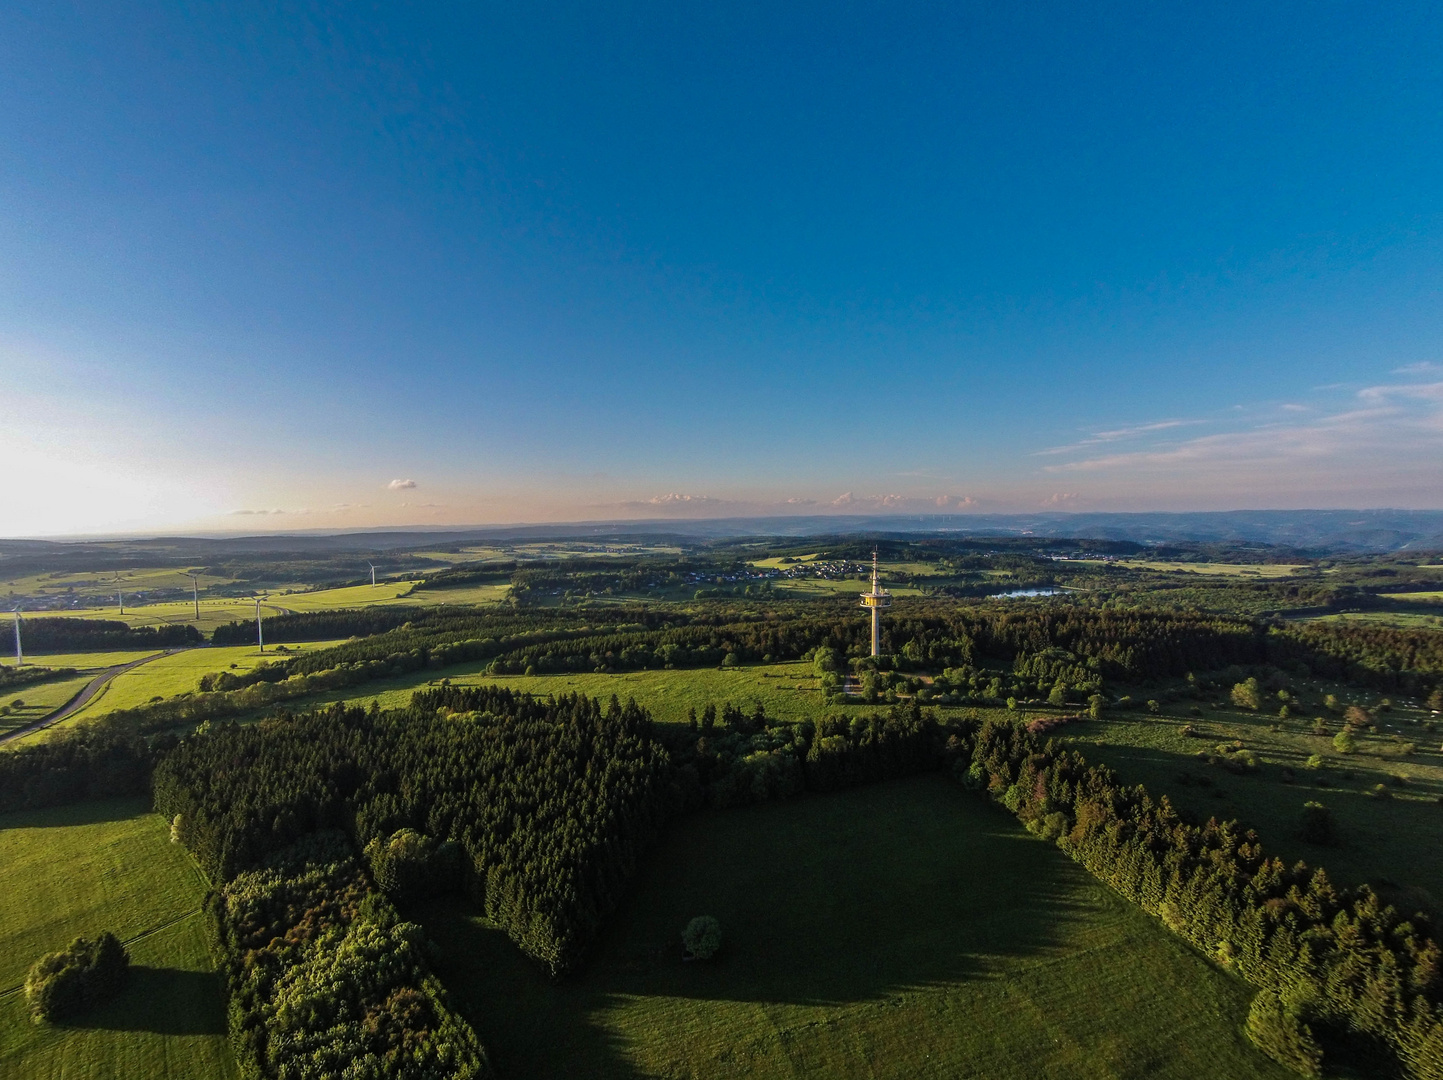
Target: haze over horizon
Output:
[(457, 265)]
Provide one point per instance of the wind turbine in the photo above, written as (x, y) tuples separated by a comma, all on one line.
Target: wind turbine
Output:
[(195, 592), (260, 637), (373, 573), (19, 652)]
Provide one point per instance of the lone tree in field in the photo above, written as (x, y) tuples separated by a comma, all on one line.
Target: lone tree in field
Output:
[(702, 938), (1318, 826), (1247, 694), (69, 982)]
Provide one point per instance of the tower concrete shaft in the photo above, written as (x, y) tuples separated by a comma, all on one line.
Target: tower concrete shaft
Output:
[(877, 599)]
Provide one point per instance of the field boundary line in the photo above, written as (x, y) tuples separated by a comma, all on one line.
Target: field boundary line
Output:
[(9, 990)]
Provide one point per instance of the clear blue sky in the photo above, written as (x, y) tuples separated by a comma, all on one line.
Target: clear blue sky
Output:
[(552, 262)]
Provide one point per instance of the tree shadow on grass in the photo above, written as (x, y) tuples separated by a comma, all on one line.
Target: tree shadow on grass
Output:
[(166, 1001), (828, 903), (88, 812)]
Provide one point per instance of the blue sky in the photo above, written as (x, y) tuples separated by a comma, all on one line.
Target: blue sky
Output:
[(304, 267)]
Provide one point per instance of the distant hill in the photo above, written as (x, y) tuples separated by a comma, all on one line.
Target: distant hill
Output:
[(1308, 530)]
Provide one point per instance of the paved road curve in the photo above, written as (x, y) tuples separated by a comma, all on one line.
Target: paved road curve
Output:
[(82, 699)]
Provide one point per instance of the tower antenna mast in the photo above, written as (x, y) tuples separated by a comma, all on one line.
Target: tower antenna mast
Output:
[(877, 599)]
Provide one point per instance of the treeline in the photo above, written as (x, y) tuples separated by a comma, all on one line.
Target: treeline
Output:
[(317, 625), (468, 574), (985, 652), (1384, 657), (45, 635), (98, 761), (551, 801), (326, 980), (12, 677), (1340, 973), (734, 758)]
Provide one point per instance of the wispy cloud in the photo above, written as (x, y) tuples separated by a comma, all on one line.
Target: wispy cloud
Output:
[(1098, 438), (1420, 368), (1060, 498), (1391, 441)]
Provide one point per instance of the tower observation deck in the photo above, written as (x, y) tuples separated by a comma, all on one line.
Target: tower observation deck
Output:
[(877, 599)]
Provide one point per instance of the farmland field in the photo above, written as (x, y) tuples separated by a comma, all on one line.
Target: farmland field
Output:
[(1393, 837), (39, 701), (178, 674), (83, 869), (1264, 570), (860, 940)]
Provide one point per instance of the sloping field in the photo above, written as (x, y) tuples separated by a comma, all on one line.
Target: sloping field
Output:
[(83, 869), (902, 930)]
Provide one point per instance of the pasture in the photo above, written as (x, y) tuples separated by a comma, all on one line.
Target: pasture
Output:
[(179, 673), (1237, 570), (40, 700), (83, 869), (1393, 839), (900, 930)]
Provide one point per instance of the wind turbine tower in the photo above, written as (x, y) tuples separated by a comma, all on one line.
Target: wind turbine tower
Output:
[(260, 637), (19, 652), (877, 599), (195, 594), (373, 574)]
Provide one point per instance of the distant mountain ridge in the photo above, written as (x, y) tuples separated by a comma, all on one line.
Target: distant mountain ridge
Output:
[(1319, 531)]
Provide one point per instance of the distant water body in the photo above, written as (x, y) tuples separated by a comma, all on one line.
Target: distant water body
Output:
[(1026, 592)]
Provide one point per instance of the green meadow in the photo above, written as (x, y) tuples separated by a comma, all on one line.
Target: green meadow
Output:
[(39, 701), (83, 869), (903, 930), (1391, 837), (1261, 570)]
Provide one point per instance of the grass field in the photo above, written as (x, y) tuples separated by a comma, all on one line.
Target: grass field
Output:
[(39, 701), (863, 938), (1407, 620), (787, 691), (1395, 840), (134, 580), (1265, 570), (82, 869), (179, 673), (213, 613)]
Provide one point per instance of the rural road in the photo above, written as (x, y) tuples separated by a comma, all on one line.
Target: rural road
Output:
[(82, 699)]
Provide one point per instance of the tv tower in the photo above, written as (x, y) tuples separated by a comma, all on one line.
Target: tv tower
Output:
[(877, 599)]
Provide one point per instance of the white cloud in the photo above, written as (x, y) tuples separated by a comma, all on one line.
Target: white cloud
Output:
[(1387, 450), (844, 499), (401, 485), (954, 502), (1060, 498), (1421, 367), (257, 513)]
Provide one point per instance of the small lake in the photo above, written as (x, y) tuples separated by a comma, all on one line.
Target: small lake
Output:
[(1026, 592)]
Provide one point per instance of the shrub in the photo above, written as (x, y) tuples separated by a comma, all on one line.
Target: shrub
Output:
[(702, 937), (1320, 726), (1318, 826), (1247, 694), (1344, 743), (1316, 761), (1357, 716), (67, 983)]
